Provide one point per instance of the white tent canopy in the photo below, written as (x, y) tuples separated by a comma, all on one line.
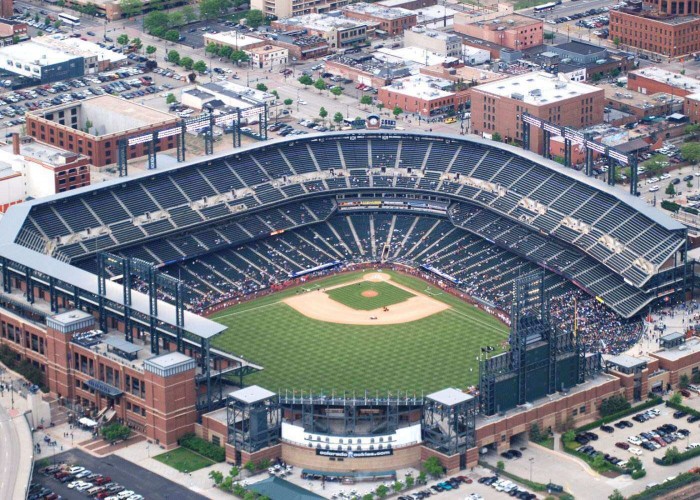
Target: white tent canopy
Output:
[(87, 422)]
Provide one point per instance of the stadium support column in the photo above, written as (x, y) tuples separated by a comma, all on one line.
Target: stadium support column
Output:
[(153, 152), (567, 153), (546, 151), (101, 290), (179, 314), (206, 368), (262, 120), (209, 136), (29, 284), (126, 273), (76, 297), (526, 133), (181, 142), (153, 309), (612, 171), (589, 156), (53, 295), (448, 422), (236, 132), (634, 174), (6, 285), (122, 159)]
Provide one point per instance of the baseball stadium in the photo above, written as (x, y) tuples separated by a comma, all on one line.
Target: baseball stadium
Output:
[(388, 284)]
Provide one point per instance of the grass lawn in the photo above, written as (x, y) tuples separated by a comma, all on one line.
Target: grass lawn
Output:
[(183, 460), (352, 295), (299, 353)]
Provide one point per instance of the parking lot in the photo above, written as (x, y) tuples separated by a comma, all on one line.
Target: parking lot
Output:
[(118, 471)]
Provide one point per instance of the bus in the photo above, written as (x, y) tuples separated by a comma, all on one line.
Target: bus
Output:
[(68, 19), (547, 6)]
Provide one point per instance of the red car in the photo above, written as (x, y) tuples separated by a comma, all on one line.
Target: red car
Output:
[(623, 446), (103, 480)]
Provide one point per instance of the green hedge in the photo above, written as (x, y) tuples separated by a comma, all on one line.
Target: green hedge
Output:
[(667, 487), (681, 457), (687, 409), (589, 460), (530, 484), (611, 418), (670, 206), (203, 447)]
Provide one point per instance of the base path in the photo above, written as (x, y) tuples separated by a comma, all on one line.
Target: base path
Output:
[(319, 306)]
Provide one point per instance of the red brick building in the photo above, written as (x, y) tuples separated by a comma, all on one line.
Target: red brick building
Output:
[(425, 95), (512, 31), (154, 395), (669, 28), (391, 20), (497, 107), (7, 8), (691, 107), (653, 80), (93, 127), (9, 29)]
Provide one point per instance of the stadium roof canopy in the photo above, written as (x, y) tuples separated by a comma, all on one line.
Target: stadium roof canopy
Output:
[(276, 488)]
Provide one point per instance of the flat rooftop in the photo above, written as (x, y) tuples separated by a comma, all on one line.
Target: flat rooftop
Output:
[(47, 154), (422, 87), (321, 22), (584, 49), (450, 396), (378, 11), (251, 394), (466, 74), (31, 52), (626, 361), (109, 114), (634, 98), (537, 88), (661, 75), (509, 21), (234, 38), (246, 95), (265, 49), (79, 47), (416, 55), (691, 346)]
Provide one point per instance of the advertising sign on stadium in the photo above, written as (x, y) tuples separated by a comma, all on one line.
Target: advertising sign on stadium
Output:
[(595, 146), (354, 454), (532, 121), (257, 110), (167, 133), (618, 156), (552, 128), (140, 139)]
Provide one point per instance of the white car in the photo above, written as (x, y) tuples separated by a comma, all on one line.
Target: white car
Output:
[(665, 176), (634, 440), (693, 446), (302, 102), (635, 451), (76, 469), (653, 189), (84, 487), (125, 494)]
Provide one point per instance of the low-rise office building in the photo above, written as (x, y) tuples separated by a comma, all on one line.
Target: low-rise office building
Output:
[(12, 31), (95, 57), (425, 95), (268, 56), (94, 127), (282, 9), (301, 46), (234, 39), (41, 63), (497, 107), (340, 32), (437, 42), (513, 31), (391, 21), (653, 80)]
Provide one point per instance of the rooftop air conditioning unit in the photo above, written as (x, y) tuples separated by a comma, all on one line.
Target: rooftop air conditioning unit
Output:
[(517, 96), (535, 92)]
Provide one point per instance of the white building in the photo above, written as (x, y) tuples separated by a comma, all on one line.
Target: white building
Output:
[(438, 42), (474, 57)]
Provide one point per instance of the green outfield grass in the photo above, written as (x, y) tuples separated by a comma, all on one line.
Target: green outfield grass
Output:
[(184, 460), (351, 295), (304, 354)]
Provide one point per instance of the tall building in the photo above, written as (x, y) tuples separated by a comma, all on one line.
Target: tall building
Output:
[(282, 9), (669, 28), (497, 107), (7, 8), (391, 21)]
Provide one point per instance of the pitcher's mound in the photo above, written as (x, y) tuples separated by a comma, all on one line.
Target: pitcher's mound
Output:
[(369, 293)]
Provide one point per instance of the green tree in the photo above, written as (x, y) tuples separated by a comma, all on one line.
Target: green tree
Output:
[(433, 466), (57, 24), (616, 495), (548, 35), (569, 436), (613, 404), (535, 433), (170, 98), (123, 39), (422, 477), (616, 41), (156, 23), (671, 456), (130, 8), (200, 66), (173, 57), (288, 102), (189, 13), (670, 190), (692, 130), (366, 100), (137, 43), (600, 464), (47, 21), (320, 85), (261, 87), (696, 377), (187, 62), (172, 36), (15, 39), (638, 473), (322, 113), (226, 51), (238, 56), (397, 486), (381, 491), (690, 151), (410, 482), (210, 9), (336, 91), (254, 18), (212, 49), (338, 118), (676, 398), (249, 466), (500, 465), (275, 93), (227, 484), (150, 50), (634, 463), (176, 18), (234, 472), (397, 111), (116, 432), (368, 496), (496, 137), (305, 80), (216, 476)]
